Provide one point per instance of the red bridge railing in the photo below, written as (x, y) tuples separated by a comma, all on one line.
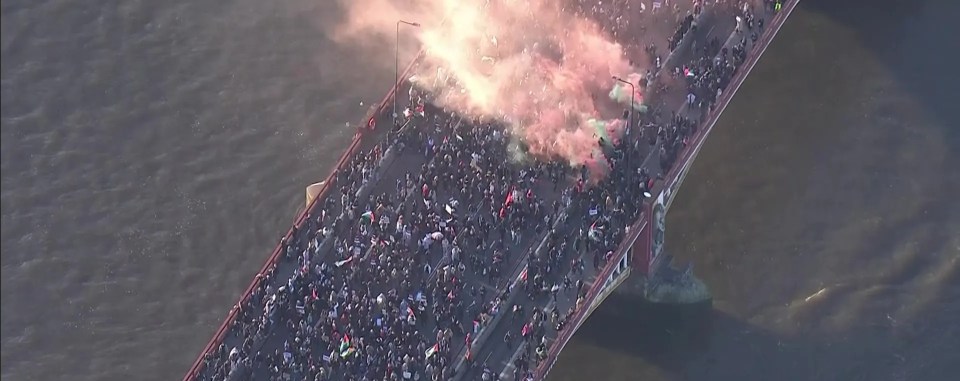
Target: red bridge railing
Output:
[(580, 315)]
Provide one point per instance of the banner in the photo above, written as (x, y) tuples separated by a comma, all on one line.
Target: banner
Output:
[(659, 222)]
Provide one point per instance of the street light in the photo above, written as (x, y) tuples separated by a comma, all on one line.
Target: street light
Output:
[(633, 94), (396, 81)]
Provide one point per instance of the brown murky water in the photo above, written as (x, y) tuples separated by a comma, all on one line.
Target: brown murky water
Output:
[(152, 152)]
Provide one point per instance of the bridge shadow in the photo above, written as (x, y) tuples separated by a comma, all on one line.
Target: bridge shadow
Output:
[(698, 342), (664, 334)]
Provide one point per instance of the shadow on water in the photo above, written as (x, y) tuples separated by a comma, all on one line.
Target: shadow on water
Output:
[(697, 342), (902, 31), (660, 333)]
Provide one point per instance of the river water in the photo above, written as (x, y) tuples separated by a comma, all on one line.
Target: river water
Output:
[(153, 152)]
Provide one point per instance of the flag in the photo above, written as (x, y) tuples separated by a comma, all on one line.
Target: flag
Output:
[(432, 350), (347, 352), (343, 262), (368, 215), (344, 343), (594, 232)]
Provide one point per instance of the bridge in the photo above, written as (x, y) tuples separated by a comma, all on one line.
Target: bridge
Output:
[(531, 302)]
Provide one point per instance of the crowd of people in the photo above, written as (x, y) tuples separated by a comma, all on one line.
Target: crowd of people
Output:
[(606, 210), (399, 292), (397, 296)]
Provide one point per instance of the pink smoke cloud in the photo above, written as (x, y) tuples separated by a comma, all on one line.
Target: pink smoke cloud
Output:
[(536, 65)]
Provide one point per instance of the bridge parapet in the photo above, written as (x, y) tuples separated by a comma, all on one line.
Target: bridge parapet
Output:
[(611, 276)]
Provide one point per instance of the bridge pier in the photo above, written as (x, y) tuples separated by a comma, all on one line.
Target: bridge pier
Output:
[(657, 280), (668, 285)]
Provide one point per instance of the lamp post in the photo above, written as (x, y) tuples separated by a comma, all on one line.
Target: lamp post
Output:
[(396, 82), (633, 94)]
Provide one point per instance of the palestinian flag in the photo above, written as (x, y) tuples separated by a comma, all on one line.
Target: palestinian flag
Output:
[(432, 350), (344, 262), (344, 343), (348, 352), (594, 232), (368, 217)]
